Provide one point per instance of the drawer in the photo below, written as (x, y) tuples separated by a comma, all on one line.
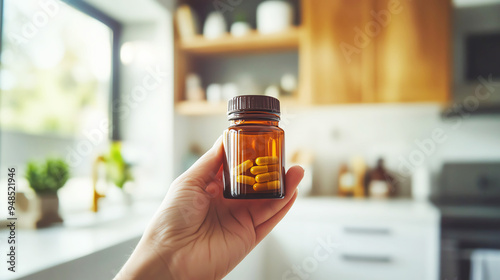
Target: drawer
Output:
[(381, 266), (380, 237), (381, 251), (359, 265), (294, 244), (367, 250)]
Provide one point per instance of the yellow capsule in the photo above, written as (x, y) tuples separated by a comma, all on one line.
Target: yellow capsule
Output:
[(266, 160), (243, 167), (274, 185), (247, 180), (263, 169), (266, 177)]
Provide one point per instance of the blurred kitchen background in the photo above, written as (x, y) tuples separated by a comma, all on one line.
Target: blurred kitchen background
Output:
[(392, 107)]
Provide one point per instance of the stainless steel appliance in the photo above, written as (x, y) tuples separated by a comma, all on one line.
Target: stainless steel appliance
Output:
[(468, 195), (476, 55)]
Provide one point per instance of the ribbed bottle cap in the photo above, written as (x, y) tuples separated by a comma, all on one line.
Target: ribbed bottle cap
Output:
[(253, 103)]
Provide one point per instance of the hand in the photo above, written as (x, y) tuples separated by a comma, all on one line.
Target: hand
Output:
[(197, 233)]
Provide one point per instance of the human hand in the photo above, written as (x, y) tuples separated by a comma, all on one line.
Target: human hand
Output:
[(197, 233)]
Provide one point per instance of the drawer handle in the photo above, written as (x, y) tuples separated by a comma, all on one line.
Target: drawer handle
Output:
[(368, 259), (374, 231)]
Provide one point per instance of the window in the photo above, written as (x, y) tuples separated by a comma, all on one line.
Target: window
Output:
[(56, 67)]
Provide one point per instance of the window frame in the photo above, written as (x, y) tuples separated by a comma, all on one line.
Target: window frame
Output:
[(116, 30)]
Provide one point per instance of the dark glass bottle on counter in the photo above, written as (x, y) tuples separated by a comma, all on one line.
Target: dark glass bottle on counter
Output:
[(379, 182), (254, 149)]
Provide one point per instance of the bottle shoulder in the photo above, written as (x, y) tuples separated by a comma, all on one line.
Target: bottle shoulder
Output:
[(254, 128)]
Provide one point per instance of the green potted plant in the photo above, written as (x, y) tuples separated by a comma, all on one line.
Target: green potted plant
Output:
[(117, 168), (46, 179)]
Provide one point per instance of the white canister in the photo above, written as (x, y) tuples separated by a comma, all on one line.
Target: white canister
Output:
[(274, 16), (240, 29), (194, 91), (215, 26), (214, 93), (288, 83), (273, 91), (421, 184)]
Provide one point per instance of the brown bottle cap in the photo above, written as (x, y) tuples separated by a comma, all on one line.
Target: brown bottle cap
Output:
[(253, 103)]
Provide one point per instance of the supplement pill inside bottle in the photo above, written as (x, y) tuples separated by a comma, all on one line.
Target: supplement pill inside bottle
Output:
[(253, 165)]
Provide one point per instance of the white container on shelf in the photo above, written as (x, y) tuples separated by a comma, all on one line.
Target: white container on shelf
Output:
[(288, 83), (215, 26), (273, 91), (240, 29), (214, 93), (274, 16), (194, 91)]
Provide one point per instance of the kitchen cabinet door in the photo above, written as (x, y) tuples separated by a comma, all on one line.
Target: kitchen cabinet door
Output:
[(301, 249), (333, 69), (412, 50)]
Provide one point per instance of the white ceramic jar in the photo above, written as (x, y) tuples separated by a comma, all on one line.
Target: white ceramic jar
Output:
[(240, 29), (215, 26), (274, 16)]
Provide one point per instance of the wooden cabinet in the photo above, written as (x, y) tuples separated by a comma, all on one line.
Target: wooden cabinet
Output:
[(413, 52), (350, 52), (328, 74), (375, 51)]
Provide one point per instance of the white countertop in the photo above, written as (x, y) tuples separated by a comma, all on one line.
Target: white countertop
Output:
[(80, 235), (86, 233), (407, 210)]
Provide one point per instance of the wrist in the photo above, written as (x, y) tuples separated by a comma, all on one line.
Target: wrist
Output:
[(145, 263)]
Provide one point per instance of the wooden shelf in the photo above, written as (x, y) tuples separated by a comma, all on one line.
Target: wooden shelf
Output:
[(200, 108), (252, 43), (204, 108)]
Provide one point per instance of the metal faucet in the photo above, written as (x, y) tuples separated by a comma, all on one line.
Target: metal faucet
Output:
[(95, 174)]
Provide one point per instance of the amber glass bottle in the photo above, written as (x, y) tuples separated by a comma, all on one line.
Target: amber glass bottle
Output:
[(254, 165)]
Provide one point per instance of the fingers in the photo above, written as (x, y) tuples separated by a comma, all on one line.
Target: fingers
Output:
[(293, 178), (205, 169), (264, 210)]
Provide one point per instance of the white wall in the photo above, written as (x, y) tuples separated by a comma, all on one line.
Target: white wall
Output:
[(335, 133), (147, 103)]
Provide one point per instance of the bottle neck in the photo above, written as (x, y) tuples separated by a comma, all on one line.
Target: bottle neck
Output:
[(254, 117), (254, 121)]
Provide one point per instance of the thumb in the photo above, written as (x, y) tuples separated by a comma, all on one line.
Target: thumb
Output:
[(204, 170)]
